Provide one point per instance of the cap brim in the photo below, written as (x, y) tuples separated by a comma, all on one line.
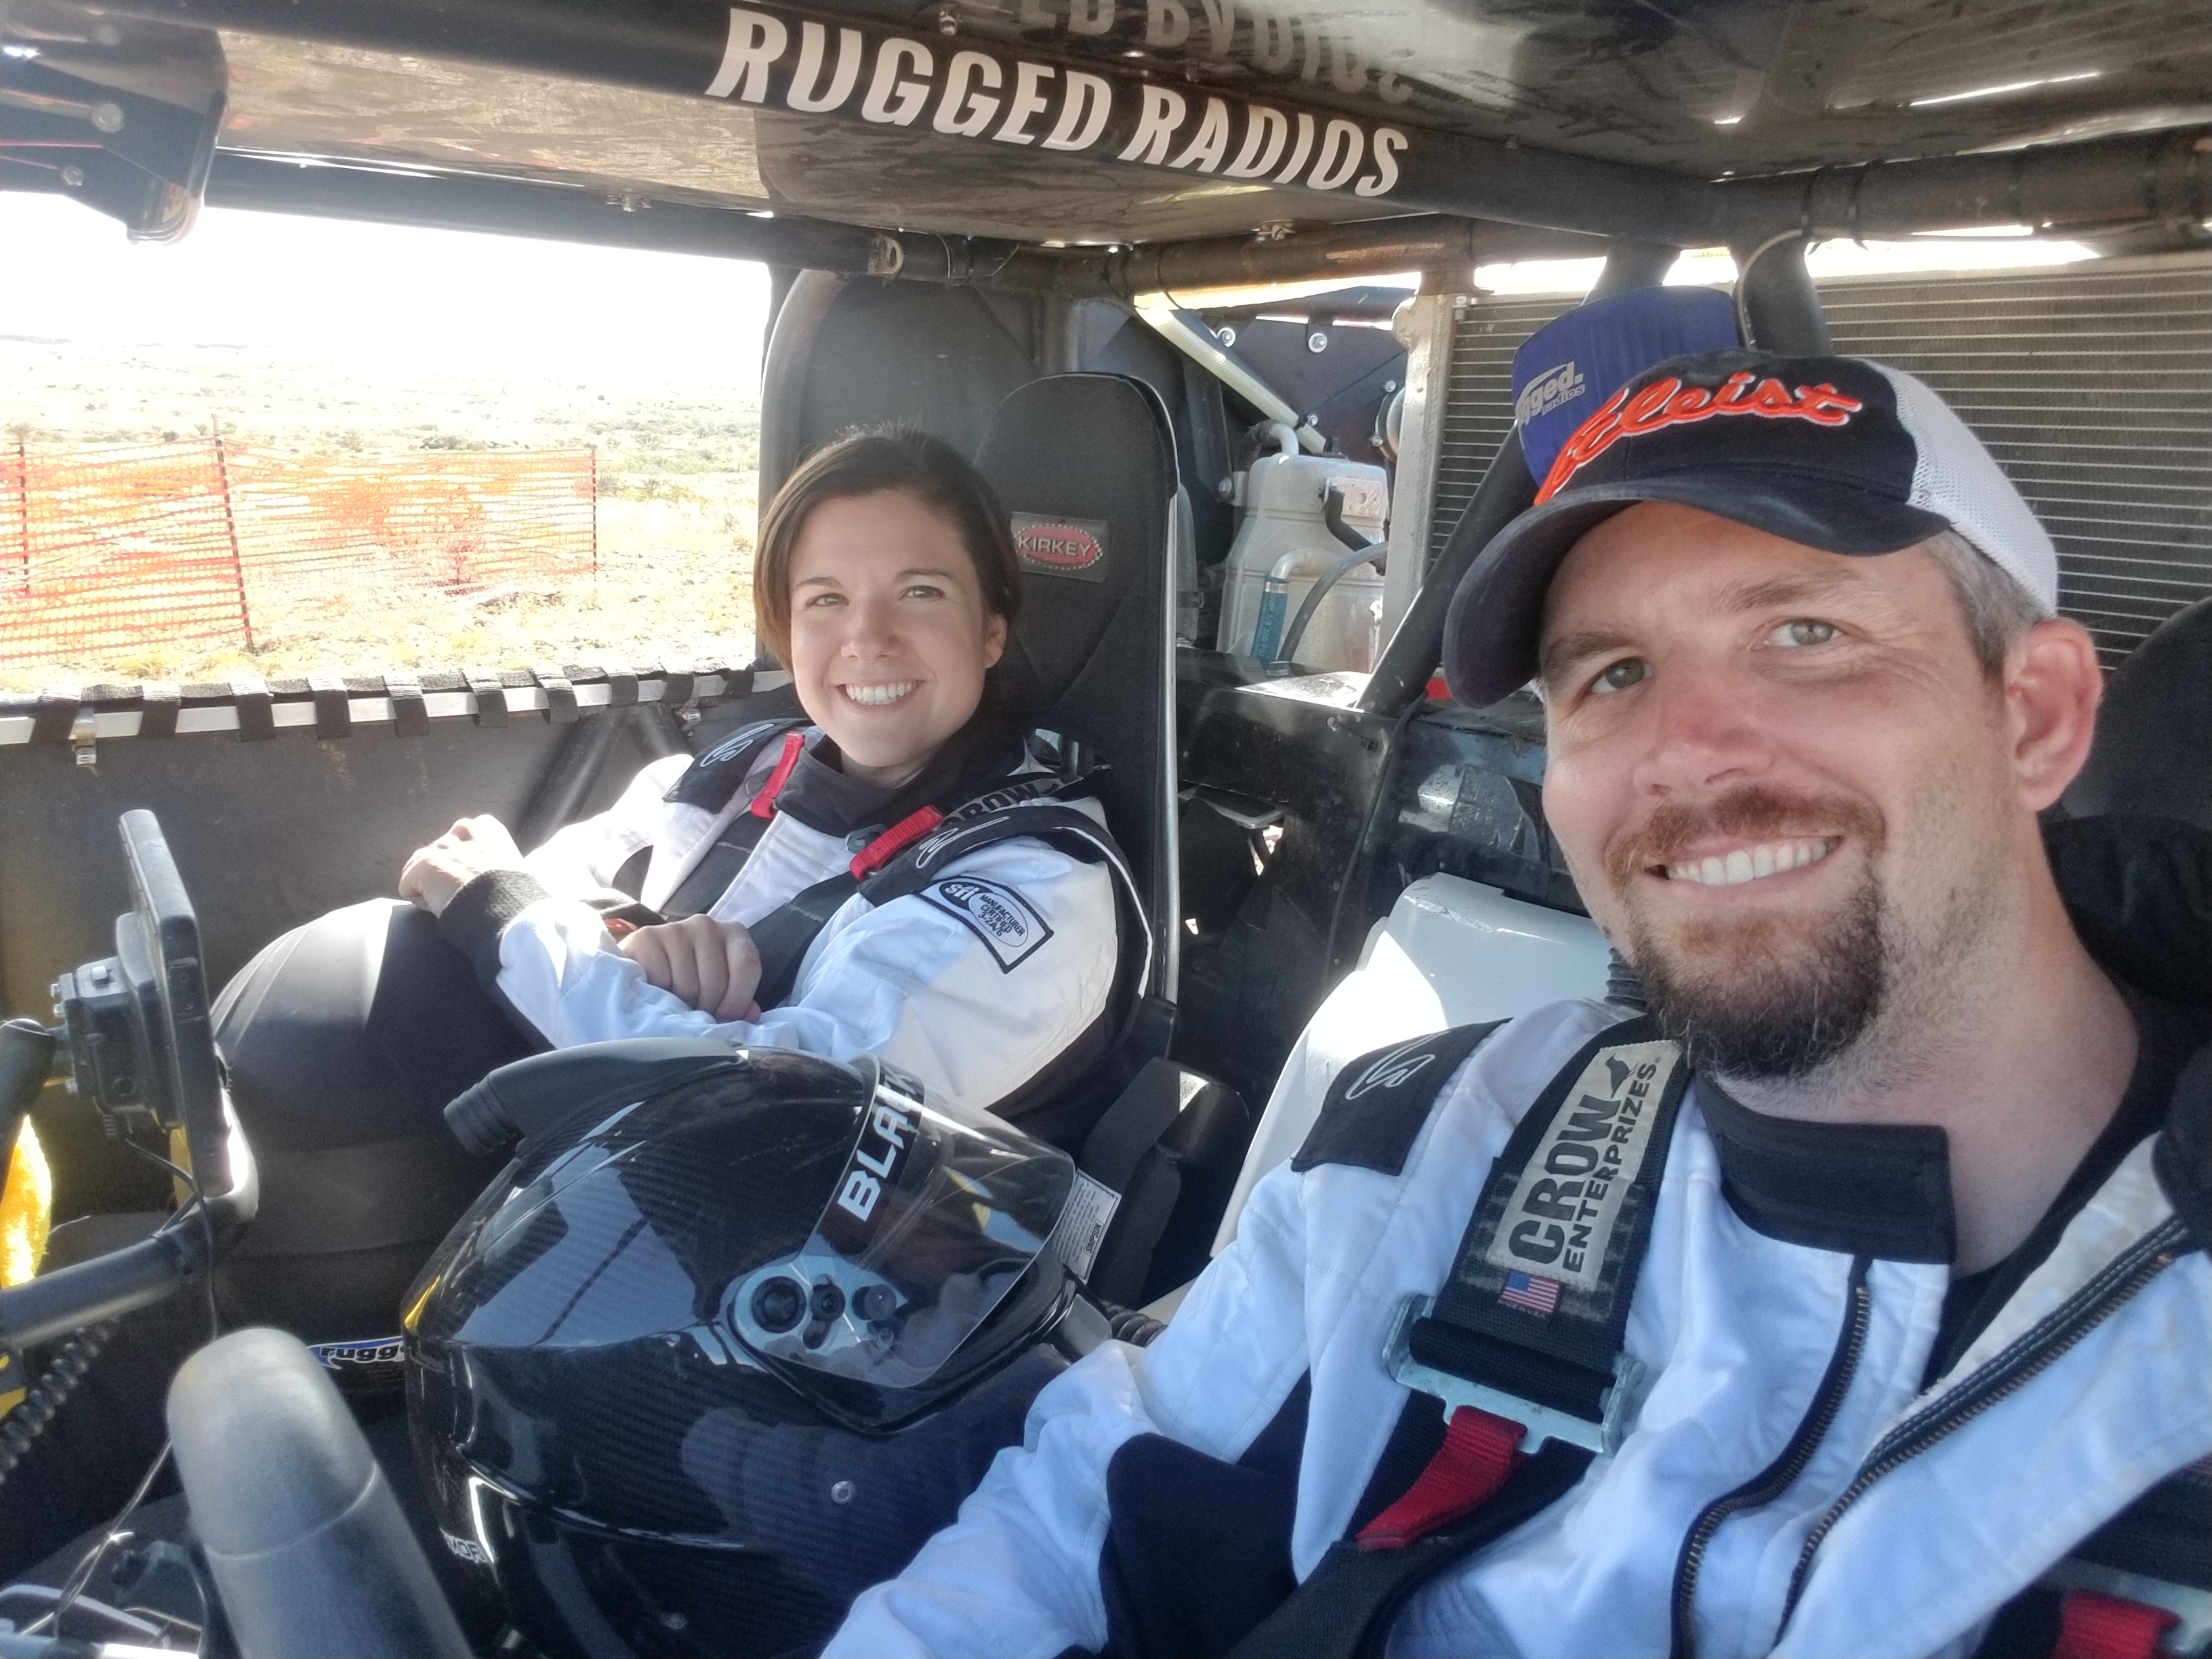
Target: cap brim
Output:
[(1490, 643)]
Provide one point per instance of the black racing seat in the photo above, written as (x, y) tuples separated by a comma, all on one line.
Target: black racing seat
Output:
[(1086, 464), (2153, 754)]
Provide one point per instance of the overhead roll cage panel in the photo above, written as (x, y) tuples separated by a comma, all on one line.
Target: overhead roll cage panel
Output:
[(1153, 97)]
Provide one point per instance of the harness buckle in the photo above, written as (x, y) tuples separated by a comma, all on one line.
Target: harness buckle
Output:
[(1542, 1422)]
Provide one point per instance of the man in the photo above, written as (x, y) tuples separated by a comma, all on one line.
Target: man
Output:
[(1846, 1291)]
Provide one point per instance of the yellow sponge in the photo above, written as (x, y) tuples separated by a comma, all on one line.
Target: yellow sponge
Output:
[(27, 1206)]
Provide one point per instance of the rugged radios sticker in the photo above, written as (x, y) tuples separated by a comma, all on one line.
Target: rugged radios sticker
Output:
[(949, 86), (1562, 1212)]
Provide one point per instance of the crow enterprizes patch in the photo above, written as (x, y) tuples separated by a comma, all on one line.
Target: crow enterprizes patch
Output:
[(1011, 930), (1561, 1216)]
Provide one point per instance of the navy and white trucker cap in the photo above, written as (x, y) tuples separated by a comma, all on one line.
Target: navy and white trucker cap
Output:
[(1835, 453)]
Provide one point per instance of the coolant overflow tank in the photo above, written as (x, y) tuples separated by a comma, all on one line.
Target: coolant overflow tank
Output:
[(1282, 534)]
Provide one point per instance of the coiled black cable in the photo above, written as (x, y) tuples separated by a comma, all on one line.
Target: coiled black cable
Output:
[(45, 1397), (1130, 1325), (1623, 987)]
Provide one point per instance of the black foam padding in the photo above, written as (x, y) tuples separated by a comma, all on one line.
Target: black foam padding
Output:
[(2152, 756), (333, 709), (1092, 660), (559, 693), (159, 701), (491, 697), (257, 714), (305, 1539), (411, 714), (55, 714)]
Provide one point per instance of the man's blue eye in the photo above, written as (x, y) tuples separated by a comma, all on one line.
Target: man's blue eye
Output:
[(1630, 671), (1802, 633)]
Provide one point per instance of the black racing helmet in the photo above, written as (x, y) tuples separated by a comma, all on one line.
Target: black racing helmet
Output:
[(735, 1332)]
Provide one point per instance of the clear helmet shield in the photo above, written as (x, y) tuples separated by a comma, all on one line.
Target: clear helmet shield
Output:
[(937, 1214)]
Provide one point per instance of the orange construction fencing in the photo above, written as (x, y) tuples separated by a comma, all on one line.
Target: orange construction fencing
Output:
[(103, 551)]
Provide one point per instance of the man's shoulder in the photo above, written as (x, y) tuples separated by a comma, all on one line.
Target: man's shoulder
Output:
[(1388, 1109)]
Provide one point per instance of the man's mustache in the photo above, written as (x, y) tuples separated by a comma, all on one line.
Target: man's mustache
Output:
[(1751, 813)]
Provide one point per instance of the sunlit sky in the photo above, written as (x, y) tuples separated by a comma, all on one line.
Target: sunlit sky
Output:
[(391, 292), (380, 291)]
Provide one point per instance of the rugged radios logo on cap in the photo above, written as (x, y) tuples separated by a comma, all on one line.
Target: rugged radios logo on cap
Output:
[(1549, 390), (1635, 410)]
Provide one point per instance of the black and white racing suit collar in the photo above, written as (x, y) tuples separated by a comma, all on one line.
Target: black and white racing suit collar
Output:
[(1874, 1189), (820, 795)]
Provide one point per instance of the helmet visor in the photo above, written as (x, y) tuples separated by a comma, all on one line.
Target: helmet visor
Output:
[(936, 1213)]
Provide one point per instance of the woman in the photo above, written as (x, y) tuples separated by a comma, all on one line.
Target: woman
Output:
[(887, 580)]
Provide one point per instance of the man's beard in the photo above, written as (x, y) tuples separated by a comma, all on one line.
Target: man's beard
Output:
[(1773, 999)]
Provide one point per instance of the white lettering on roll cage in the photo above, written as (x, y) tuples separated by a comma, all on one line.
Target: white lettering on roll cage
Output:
[(891, 80)]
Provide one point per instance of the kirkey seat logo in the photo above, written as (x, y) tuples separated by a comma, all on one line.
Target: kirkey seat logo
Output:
[(1631, 412), (1061, 547)]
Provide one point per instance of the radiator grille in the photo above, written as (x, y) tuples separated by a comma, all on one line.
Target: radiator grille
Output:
[(1479, 400), (2091, 384)]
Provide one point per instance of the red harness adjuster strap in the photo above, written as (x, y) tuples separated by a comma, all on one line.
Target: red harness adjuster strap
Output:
[(1480, 1450), (893, 841), (2094, 1625), (794, 745)]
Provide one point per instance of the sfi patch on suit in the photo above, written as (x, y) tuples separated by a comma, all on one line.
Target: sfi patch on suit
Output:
[(1011, 929)]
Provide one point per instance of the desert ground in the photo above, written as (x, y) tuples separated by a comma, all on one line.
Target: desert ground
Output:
[(676, 463)]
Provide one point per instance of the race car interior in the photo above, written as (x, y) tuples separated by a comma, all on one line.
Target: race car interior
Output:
[(1197, 286)]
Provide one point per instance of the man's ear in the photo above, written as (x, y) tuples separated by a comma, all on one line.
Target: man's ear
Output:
[(2052, 685)]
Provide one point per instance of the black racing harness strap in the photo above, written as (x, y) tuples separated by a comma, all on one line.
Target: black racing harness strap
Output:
[(1028, 807), (1523, 1343), (904, 859), (711, 782)]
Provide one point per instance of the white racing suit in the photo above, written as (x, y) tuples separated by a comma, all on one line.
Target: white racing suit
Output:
[(973, 986), (1925, 1504)]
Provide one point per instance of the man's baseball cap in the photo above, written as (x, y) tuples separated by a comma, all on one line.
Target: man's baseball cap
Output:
[(1834, 452)]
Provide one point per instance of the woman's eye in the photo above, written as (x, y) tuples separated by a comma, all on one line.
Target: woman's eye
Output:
[(817, 601), (925, 591), (1801, 633), (1628, 671)]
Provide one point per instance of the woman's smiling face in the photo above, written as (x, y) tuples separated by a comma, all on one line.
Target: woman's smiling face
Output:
[(889, 639)]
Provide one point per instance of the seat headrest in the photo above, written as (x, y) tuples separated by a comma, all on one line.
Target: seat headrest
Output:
[(1086, 465), (2152, 755)]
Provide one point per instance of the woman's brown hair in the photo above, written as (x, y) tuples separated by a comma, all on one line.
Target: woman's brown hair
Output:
[(867, 462)]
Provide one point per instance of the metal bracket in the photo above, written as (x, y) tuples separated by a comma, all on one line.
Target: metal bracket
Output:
[(84, 737), (1541, 1422)]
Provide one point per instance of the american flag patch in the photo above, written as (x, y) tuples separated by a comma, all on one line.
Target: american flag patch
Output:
[(1530, 1293)]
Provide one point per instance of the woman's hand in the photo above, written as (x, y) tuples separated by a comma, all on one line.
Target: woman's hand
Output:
[(434, 874), (704, 964)]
